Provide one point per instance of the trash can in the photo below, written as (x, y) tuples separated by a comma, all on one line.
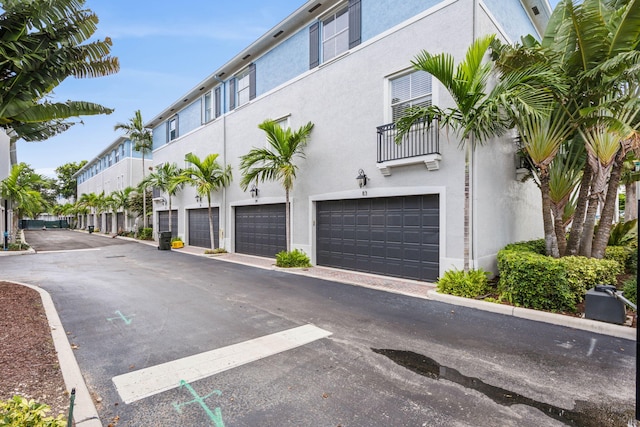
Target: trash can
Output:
[(164, 241), (91, 228), (601, 304)]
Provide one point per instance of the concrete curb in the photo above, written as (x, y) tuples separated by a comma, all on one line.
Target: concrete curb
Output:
[(539, 316), (85, 413)]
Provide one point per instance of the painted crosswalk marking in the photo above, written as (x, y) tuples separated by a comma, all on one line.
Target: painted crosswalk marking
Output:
[(146, 382)]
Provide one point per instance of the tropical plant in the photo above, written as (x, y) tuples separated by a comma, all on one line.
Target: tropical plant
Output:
[(276, 162), (168, 178), (478, 113), (122, 201), (207, 176), (18, 189), (142, 139), (21, 412), (43, 43), (294, 259)]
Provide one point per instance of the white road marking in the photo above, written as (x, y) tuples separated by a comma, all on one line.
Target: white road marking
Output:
[(68, 250), (146, 382), (592, 346)]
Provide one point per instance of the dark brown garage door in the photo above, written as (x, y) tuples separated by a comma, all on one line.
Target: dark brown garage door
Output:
[(163, 222), (393, 236), (260, 230), (199, 227)]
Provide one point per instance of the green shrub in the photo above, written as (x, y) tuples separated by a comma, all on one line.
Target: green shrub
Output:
[(215, 251), (632, 262), (630, 290), (20, 412), (620, 254), (145, 234), (176, 239), (624, 233), (535, 246), (17, 246), (535, 281), (295, 258), (584, 273), (469, 285)]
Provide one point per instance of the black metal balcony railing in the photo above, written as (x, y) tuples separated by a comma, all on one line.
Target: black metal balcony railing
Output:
[(419, 141)]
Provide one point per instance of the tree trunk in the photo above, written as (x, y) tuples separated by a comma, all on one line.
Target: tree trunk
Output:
[(466, 242), (287, 215), (586, 240), (631, 203), (577, 224), (211, 235), (170, 229), (550, 240), (561, 235), (608, 211)]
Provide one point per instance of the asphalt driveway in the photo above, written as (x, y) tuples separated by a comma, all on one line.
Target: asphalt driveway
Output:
[(389, 359)]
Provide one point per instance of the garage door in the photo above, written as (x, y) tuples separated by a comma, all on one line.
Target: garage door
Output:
[(120, 221), (260, 230), (163, 222), (199, 227), (393, 236), (108, 223)]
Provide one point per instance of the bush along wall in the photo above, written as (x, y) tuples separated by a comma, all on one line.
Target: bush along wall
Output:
[(532, 280)]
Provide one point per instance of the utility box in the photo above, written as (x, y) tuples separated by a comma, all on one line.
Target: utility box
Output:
[(600, 305), (164, 241)]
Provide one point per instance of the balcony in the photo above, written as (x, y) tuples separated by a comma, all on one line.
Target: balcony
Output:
[(420, 145)]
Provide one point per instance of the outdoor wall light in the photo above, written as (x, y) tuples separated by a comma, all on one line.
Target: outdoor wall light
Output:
[(254, 191), (361, 178), (198, 199), (160, 199)]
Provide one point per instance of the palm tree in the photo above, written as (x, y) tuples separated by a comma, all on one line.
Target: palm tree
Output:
[(17, 188), (142, 139), (207, 176), (478, 114), (47, 45), (277, 161), (169, 179), (122, 201), (90, 202)]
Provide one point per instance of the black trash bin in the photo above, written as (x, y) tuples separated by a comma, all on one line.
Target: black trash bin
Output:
[(164, 241), (91, 228)]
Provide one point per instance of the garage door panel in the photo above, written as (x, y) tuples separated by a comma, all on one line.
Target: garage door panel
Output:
[(163, 222), (261, 229), (396, 236), (198, 223)]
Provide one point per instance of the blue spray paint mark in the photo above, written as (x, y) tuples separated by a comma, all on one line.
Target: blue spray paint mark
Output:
[(215, 415), (121, 316)]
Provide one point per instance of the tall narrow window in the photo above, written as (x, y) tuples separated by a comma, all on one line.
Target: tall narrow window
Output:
[(218, 103), (335, 35), (207, 107), (242, 87), (410, 90), (172, 128)]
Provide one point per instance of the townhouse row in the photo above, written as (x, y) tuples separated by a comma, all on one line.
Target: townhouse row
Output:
[(346, 67)]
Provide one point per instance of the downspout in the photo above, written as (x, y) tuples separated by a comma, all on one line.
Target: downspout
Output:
[(221, 236)]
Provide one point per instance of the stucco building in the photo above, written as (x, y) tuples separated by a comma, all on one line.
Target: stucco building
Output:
[(346, 67)]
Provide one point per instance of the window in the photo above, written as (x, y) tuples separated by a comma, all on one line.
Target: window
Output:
[(335, 35), (242, 88), (122, 150), (117, 155), (207, 107), (172, 128), (409, 90)]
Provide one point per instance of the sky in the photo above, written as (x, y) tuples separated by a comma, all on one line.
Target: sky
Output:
[(165, 48)]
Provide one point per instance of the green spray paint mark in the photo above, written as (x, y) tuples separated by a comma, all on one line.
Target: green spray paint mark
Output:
[(121, 316), (215, 416)]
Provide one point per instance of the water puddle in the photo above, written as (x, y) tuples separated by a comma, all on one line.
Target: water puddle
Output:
[(428, 367)]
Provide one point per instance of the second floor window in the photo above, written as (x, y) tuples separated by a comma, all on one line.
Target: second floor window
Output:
[(335, 35), (172, 129), (242, 87), (207, 107), (409, 90)]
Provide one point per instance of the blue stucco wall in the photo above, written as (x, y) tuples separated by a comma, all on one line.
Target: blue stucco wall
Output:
[(512, 18), (190, 118), (159, 135), (271, 70), (378, 16)]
